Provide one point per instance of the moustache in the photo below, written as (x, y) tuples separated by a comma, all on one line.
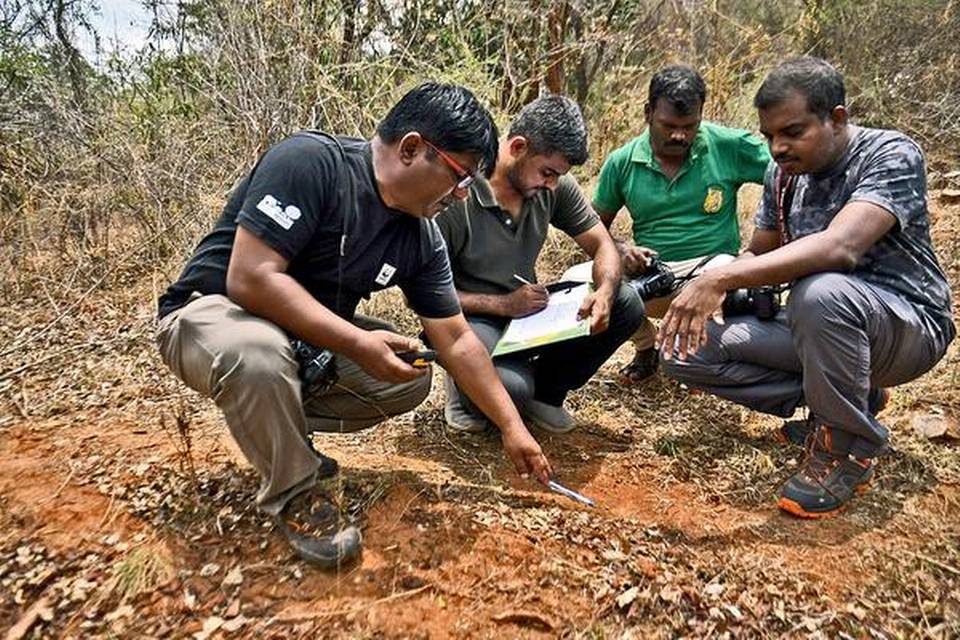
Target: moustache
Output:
[(782, 158)]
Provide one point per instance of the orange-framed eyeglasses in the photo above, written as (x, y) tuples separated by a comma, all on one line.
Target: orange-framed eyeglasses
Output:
[(464, 177)]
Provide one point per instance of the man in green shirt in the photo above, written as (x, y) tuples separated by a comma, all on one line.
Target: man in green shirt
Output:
[(493, 239), (679, 181)]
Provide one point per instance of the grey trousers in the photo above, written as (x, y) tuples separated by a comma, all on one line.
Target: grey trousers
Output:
[(245, 364), (838, 338), (561, 367)]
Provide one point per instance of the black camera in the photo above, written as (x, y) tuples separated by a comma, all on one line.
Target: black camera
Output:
[(318, 367), (656, 281), (762, 302)]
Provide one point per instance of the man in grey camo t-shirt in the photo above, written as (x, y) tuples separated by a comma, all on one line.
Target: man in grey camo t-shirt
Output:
[(844, 219)]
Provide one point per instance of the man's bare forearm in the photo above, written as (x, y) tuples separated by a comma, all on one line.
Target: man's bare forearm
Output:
[(470, 365), (607, 268), (277, 297), (487, 304), (812, 254)]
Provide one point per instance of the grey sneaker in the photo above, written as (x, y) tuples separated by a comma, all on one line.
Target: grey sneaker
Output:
[(456, 415), (548, 417)]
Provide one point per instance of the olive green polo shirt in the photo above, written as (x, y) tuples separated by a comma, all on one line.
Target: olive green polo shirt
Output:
[(695, 213), (487, 246)]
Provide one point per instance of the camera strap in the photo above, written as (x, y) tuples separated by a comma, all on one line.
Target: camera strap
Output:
[(784, 187)]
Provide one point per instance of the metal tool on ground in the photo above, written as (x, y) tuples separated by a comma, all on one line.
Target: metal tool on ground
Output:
[(570, 493)]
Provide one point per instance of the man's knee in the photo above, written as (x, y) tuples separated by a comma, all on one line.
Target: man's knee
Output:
[(702, 363), (519, 385), (822, 300), (407, 396), (627, 313), (254, 359)]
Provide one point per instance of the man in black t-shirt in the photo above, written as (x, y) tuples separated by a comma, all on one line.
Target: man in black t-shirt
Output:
[(320, 223)]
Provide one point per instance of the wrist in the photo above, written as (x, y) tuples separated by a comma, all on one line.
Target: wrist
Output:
[(718, 280), (512, 428)]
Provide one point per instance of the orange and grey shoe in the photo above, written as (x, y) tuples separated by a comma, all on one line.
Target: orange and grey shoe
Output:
[(797, 431), (825, 482)]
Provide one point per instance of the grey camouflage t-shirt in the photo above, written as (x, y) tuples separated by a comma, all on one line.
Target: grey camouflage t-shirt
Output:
[(885, 168)]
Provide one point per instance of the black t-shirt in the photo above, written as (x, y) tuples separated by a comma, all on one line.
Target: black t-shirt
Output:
[(296, 200)]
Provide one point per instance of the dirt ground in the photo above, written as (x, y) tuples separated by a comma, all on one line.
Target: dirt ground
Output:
[(126, 511)]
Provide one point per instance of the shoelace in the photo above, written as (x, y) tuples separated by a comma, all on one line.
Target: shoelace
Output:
[(817, 467)]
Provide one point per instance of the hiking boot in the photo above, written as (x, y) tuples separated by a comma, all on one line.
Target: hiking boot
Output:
[(548, 417), (825, 481), (797, 431), (643, 366), (328, 466), (456, 415), (313, 527)]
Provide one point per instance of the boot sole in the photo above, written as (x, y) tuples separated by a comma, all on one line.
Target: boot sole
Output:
[(793, 507)]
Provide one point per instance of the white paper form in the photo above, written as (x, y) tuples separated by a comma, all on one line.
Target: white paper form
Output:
[(557, 321)]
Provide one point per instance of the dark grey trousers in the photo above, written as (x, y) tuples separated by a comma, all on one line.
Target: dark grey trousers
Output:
[(561, 367), (838, 338)]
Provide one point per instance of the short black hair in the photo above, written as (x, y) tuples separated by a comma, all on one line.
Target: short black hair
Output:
[(815, 79), (553, 124), (447, 115), (681, 86)]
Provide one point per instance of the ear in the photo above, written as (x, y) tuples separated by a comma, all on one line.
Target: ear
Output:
[(518, 147), (839, 115), (410, 145), (647, 112)]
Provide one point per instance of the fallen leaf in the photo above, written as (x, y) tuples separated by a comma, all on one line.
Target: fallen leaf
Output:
[(233, 610), (123, 611), (950, 196), (628, 596), (209, 569), (210, 625), (232, 625), (671, 593), (613, 555), (526, 619), (933, 426), (234, 578)]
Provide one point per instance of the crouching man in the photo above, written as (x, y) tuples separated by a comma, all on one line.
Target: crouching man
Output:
[(319, 223), (844, 218), (495, 236)]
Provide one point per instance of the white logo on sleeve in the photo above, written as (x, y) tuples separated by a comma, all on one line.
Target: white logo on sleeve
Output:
[(386, 272), (283, 216)]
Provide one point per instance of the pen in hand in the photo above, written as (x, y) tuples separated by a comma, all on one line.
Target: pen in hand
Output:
[(522, 280)]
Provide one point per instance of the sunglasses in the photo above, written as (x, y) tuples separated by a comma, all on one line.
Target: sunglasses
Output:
[(464, 177)]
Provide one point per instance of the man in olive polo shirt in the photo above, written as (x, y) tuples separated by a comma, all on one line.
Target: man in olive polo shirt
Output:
[(494, 238), (679, 181)]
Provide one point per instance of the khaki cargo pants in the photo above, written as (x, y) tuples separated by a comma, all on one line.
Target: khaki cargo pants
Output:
[(245, 364)]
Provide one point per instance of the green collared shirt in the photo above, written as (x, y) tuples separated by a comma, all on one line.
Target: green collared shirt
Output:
[(695, 213), (487, 246)]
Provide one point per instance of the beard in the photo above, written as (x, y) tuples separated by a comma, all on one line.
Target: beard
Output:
[(514, 177)]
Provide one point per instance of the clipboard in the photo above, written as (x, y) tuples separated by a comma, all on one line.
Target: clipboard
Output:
[(554, 323)]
